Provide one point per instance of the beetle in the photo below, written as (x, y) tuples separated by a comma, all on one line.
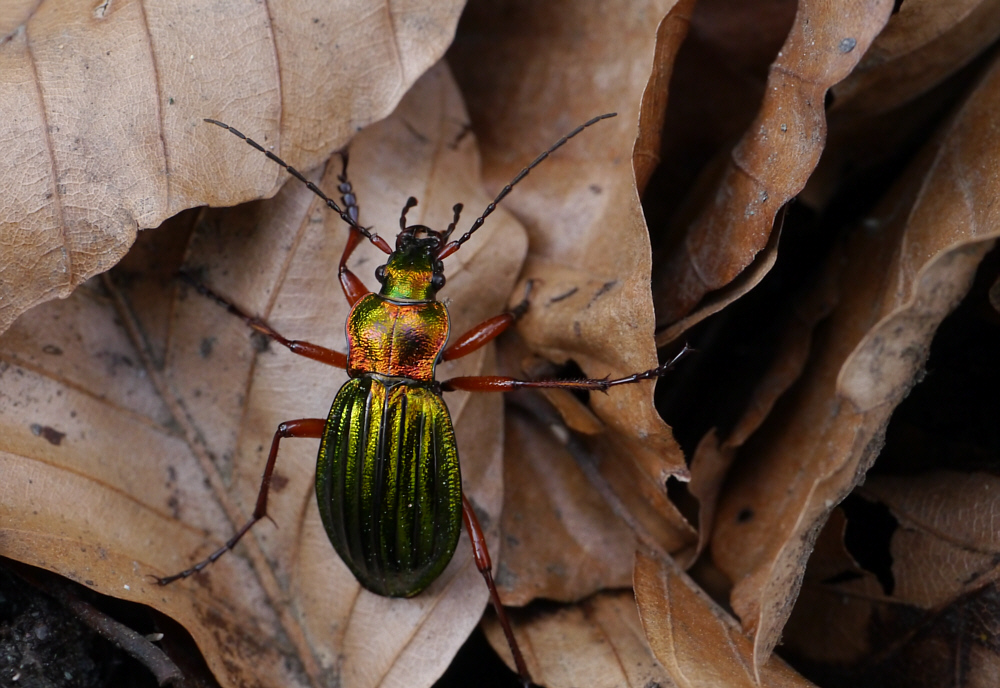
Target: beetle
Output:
[(388, 481)]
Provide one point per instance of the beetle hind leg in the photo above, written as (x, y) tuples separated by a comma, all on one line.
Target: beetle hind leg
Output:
[(306, 427), (482, 557)]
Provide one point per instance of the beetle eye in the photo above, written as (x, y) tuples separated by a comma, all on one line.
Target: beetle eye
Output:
[(437, 281), (380, 273)]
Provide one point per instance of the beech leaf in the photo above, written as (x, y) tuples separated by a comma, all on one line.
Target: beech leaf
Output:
[(101, 108)]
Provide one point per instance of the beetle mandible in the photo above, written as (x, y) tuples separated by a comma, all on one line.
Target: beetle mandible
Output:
[(388, 481)]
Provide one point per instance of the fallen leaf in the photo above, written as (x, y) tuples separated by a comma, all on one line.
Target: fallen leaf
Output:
[(776, 155), (549, 68), (833, 617), (714, 455), (947, 544), (934, 623), (598, 643), (584, 546), (156, 470), (102, 108), (696, 641), (901, 273), (922, 44)]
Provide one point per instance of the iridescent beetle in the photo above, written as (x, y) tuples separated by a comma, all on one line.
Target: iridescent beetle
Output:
[(388, 482)]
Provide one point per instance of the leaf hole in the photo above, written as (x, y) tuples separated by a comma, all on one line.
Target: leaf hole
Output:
[(870, 527)]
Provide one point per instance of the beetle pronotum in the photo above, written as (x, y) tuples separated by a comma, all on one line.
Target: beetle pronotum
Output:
[(388, 482)]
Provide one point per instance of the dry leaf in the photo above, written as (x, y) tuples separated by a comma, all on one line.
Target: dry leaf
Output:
[(147, 365), (923, 43), (201, 404), (947, 543), (931, 620), (900, 274), (549, 67), (598, 643), (101, 109), (776, 155), (698, 643), (832, 619), (584, 546), (713, 457)]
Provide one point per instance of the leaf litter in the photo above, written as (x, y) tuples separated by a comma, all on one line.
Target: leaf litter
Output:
[(146, 360)]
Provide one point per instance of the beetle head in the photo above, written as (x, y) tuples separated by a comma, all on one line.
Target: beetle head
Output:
[(413, 270)]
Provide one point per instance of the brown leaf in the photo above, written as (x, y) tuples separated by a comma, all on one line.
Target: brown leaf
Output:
[(923, 43), (102, 106), (696, 641), (154, 471), (776, 155), (530, 72), (832, 621), (947, 544), (583, 546), (713, 457), (598, 643), (900, 274), (935, 624)]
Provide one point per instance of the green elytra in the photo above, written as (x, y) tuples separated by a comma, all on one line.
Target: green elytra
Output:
[(388, 482)]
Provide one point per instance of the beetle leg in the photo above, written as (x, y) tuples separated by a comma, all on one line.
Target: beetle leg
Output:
[(487, 331), (306, 427), (353, 288), (307, 349), (499, 383), (485, 566)]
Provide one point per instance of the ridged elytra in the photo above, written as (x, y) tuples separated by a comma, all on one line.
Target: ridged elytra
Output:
[(388, 480)]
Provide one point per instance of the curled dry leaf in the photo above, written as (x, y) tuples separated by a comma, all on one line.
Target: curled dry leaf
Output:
[(947, 543), (776, 155), (548, 68), (932, 618), (598, 643), (136, 450), (697, 642), (101, 108), (901, 273), (714, 456), (836, 603), (924, 42), (586, 546)]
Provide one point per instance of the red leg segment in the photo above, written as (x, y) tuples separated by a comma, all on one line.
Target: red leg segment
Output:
[(307, 349), (486, 331), (485, 566), (353, 287), (307, 427)]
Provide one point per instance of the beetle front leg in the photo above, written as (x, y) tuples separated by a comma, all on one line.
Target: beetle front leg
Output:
[(307, 427), (296, 346), (482, 557)]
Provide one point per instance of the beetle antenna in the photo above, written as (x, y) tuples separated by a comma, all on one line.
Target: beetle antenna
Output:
[(410, 203), (454, 245), (374, 238)]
